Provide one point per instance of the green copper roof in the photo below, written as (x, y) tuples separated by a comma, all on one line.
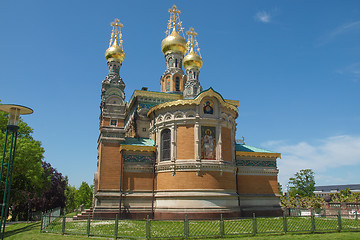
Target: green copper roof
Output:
[(247, 148), (139, 142)]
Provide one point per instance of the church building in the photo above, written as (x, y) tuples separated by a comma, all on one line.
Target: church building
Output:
[(173, 153)]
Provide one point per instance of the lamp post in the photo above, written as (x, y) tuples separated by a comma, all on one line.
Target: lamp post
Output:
[(14, 112)]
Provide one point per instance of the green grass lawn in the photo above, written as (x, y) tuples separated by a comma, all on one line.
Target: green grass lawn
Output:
[(31, 231)]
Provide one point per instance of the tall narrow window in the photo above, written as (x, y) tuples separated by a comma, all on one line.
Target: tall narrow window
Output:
[(177, 84), (165, 145), (176, 62), (167, 84)]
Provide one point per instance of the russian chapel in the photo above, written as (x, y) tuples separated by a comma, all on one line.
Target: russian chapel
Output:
[(173, 153)]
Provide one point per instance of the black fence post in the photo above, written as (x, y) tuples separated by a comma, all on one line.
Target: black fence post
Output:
[(42, 220), (148, 228), (312, 221), (254, 225), (285, 222), (63, 226), (222, 230), (186, 227), (88, 226), (116, 227), (356, 214), (339, 220)]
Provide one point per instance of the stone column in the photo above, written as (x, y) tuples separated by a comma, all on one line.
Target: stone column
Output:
[(197, 142), (158, 143), (173, 142), (219, 144)]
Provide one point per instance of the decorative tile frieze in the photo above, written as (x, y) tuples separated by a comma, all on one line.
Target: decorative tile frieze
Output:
[(255, 163), (138, 158)]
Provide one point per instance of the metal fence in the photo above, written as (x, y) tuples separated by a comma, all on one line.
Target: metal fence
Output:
[(49, 217), (152, 229)]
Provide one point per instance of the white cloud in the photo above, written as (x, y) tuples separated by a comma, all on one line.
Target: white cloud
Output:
[(352, 71), (263, 16), (345, 28), (325, 155)]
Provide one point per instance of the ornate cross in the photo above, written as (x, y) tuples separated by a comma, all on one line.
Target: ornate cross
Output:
[(117, 25)]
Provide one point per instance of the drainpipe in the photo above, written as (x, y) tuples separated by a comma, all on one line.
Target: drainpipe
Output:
[(120, 185), (153, 175), (237, 187)]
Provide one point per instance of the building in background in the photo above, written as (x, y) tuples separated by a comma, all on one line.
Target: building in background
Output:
[(173, 153), (323, 191)]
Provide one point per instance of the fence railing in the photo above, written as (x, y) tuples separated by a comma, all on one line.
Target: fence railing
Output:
[(50, 216), (152, 229)]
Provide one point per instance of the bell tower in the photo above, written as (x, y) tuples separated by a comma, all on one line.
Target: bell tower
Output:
[(112, 93), (174, 48), (112, 116)]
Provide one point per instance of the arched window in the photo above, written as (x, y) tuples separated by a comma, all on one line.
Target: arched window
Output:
[(165, 145), (167, 84), (177, 84)]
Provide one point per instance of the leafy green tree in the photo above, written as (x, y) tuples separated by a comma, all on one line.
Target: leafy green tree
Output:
[(345, 196), (28, 173), (303, 183), (280, 189), (70, 192), (36, 185), (84, 195)]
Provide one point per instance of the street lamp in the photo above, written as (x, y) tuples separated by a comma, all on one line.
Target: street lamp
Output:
[(14, 112)]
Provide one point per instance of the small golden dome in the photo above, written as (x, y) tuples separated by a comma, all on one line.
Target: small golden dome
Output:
[(174, 43), (115, 53), (192, 60)]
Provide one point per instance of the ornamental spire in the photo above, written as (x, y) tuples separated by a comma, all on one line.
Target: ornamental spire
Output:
[(116, 35), (192, 43), (174, 22)]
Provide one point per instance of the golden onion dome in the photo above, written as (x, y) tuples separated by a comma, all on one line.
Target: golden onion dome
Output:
[(192, 60), (174, 43), (115, 53)]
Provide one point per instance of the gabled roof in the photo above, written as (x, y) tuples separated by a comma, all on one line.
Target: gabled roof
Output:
[(206, 93)]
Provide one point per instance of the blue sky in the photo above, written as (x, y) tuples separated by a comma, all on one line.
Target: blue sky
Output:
[(293, 65)]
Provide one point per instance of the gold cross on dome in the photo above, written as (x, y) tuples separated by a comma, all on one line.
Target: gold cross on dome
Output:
[(192, 34), (116, 25), (116, 32), (173, 13), (174, 10)]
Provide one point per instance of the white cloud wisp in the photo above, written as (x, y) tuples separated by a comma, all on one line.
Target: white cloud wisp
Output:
[(263, 16), (324, 157)]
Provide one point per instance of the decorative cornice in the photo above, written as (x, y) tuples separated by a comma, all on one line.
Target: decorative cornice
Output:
[(257, 171), (233, 102), (208, 93), (137, 148), (195, 166), (258, 154), (161, 95)]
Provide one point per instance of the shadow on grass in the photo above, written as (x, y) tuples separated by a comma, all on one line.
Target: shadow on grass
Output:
[(10, 230)]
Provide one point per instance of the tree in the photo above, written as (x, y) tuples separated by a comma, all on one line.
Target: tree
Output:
[(84, 195), (280, 189), (36, 185), (303, 183), (70, 192)]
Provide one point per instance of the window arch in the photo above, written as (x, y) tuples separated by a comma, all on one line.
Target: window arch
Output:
[(167, 84), (177, 84), (165, 145)]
